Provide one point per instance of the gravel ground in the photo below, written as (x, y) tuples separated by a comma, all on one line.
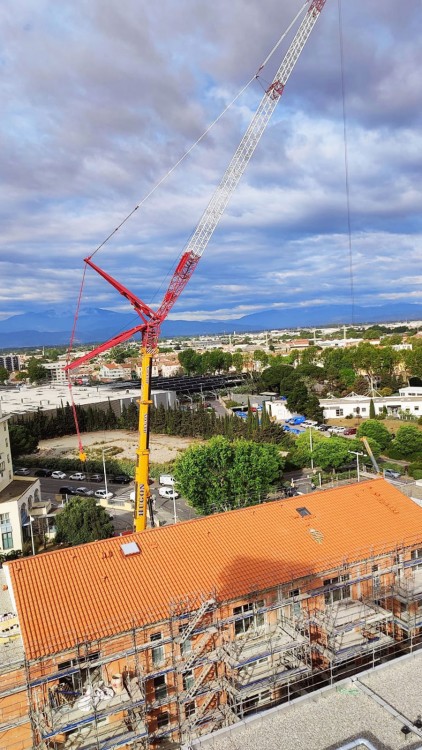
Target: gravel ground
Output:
[(163, 447), (329, 720)]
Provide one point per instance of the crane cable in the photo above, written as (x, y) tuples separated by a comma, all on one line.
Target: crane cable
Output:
[(346, 166), (201, 137)]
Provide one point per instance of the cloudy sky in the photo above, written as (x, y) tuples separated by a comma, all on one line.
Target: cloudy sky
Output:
[(100, 98)]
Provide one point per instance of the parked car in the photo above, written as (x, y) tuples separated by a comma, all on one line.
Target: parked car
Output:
[(350, 431), (103, 495), (43, 473), (121, 479), (67, 491), (21, 472), (391, 474), (78, 476), (167, 479), (168, 492), (96, 478), (58, 475), (84, 491), (322, 427)]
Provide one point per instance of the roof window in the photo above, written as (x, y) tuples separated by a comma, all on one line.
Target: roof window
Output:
[(303, 512), (131, 548)]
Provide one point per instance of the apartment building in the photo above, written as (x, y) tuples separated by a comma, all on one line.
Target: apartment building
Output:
[(11, 362), (17, 497), (159, 637)]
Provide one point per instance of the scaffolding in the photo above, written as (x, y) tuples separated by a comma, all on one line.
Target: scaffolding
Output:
[(211, 662)]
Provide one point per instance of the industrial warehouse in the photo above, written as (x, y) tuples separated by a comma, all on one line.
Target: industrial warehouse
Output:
[(154, 639)]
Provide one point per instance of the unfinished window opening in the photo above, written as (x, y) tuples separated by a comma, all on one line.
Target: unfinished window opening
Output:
[(250, 620), (163, 719), (188, 680), (341, 590), (160, 687), (157, 652), (190, 709), (416, 554)]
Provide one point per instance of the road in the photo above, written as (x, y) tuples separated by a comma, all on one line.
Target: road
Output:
[(122, 520)]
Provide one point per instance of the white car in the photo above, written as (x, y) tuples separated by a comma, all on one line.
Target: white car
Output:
[(58, 475), (103, 495), (168, 492), (83, 491), (78, 476)]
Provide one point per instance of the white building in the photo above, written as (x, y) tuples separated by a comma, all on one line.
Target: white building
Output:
[(112, 371), (408, 401), (277, 410), (17, 496), (56, 372)]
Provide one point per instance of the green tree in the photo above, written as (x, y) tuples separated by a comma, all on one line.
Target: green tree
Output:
[(36, 371), (190, 360), (376, 430), (22, 440), (237, 360), (219, 475), (408, 440), (331, 453), (82, 521), (371, 409), (21, 375), (4, 374)]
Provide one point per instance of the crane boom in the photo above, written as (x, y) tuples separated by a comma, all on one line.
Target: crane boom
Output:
[(152, 320), (239, 162)]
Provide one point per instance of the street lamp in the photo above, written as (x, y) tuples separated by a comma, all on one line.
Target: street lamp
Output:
[(174, 505), (311, 446), (357, 454), (105, 474)]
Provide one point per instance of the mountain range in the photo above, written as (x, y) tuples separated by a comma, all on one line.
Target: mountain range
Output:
[(53, 326)]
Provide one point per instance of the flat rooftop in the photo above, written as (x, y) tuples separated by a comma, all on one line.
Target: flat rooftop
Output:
[(373, 706), (26, 398), (16, 488)]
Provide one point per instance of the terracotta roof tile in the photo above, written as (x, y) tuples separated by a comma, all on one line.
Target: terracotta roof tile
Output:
[(84, 592)]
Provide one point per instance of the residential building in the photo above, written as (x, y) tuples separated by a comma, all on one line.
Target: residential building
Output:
[(10, 361), (408, 401), (171, 633), (112, 371), (17, 496), (56, 372)]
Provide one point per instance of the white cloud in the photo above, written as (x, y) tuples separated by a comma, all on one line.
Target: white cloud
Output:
[(101, 99)]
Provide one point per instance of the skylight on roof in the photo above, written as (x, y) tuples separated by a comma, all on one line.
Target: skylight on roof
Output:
[(130, 548), (303, 512)]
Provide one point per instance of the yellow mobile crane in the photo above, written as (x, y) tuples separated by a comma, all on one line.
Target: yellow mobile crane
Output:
[(152, 320)]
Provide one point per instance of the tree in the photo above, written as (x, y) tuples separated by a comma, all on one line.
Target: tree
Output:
[(21, 375), (22, 440), (190, 360), (331, 453), (374, 429), (408, 440), (82, 521), (4, 374), (36, 371), (220, 475), (237, 360), (371, 409)]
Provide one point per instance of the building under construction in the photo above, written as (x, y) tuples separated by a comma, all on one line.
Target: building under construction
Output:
[(151, 640)]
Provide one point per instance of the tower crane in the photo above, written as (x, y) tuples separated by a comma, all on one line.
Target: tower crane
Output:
[(152, 320)]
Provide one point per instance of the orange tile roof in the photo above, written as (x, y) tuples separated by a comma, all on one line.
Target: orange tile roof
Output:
[(92, 590)]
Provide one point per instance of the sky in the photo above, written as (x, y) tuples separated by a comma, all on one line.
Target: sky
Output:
[(101, 99)]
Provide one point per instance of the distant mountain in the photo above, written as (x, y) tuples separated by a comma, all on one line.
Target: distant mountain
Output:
[(54, 326)]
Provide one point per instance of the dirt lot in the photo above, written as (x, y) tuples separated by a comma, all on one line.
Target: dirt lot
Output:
[(392, 425), (163, 447)]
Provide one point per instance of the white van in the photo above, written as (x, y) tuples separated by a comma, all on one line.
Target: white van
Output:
[(167, 479)]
